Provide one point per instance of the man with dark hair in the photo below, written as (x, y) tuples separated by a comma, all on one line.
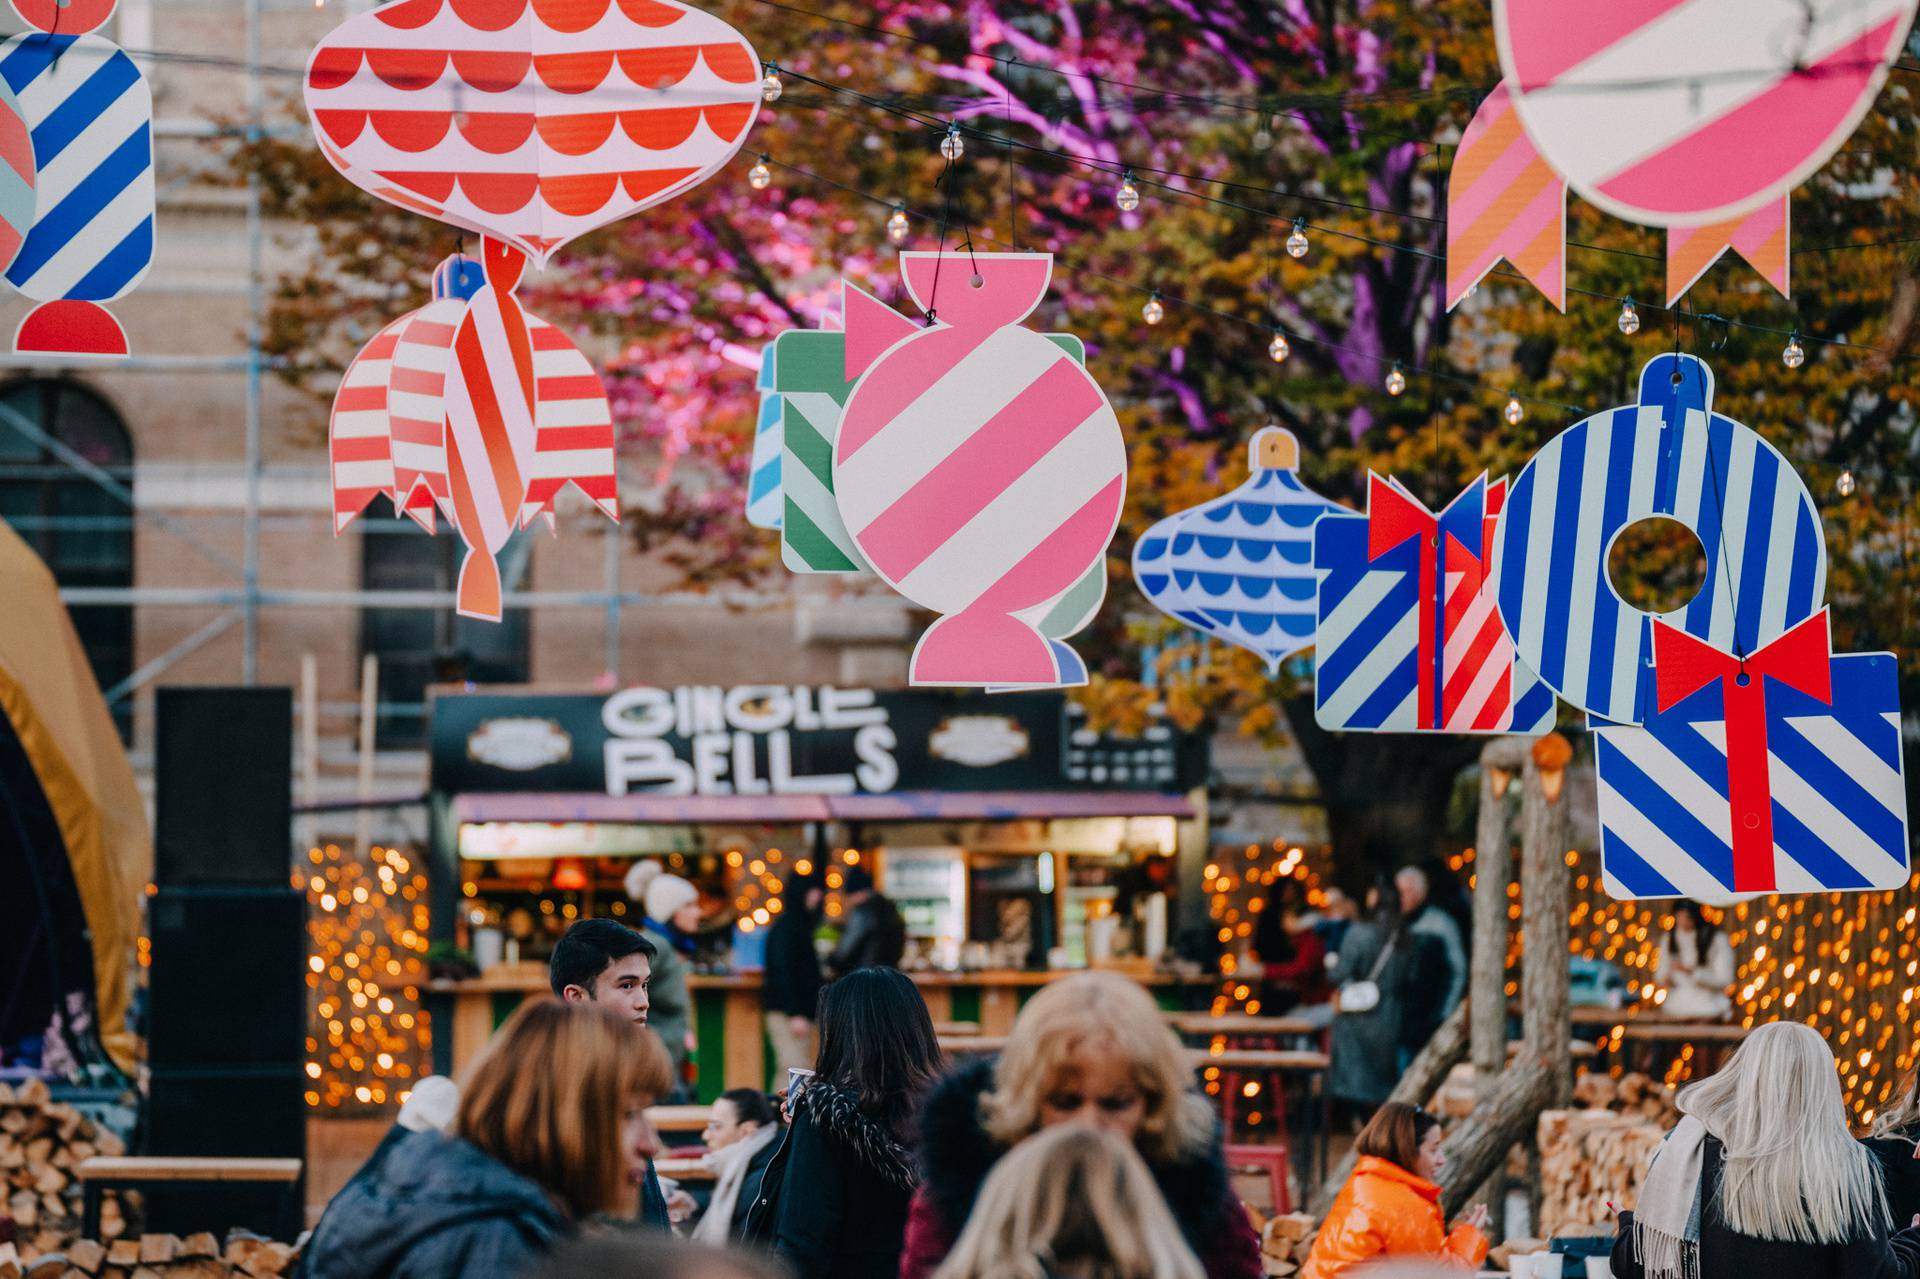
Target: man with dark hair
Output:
[(602, 961), (875, 936)]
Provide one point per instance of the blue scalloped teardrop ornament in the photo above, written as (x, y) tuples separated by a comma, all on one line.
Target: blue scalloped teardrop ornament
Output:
[(1240, 567)]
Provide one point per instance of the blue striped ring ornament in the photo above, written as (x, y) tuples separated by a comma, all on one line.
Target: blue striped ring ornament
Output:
[(1835, 773), (1240, 566), (1667, 455)]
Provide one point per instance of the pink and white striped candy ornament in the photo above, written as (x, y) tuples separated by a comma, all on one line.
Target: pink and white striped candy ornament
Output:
[(979, 468)]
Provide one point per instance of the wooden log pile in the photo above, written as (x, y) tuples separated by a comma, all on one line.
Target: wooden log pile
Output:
[(1285, 1242), (201, 1256), (1589, 1159), (1632, 1094), (42, 1142)]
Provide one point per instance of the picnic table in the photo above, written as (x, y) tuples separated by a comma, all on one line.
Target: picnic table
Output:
[(1243, 1024), (680, 1118), (125, 1172)]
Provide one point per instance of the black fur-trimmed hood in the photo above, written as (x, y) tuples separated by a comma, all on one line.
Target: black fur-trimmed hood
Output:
[(836, 1112), (956, 1154)]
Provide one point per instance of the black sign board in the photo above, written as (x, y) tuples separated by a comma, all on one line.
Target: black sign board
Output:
[(792, 740)]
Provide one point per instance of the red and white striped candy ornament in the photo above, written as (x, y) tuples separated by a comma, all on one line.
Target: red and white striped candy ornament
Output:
[(490, 426)]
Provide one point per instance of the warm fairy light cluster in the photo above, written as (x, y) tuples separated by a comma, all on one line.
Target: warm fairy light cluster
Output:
[(1236, 887), (367, 927), (1844, 963), (762, 878)]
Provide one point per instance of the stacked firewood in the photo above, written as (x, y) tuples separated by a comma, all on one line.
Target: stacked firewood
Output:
[(201, 1256), (1285, 1242), (1592, 1163), (1633, 1093), (42, 1143)]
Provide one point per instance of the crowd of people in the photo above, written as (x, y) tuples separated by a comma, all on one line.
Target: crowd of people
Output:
[(1083, 1150)]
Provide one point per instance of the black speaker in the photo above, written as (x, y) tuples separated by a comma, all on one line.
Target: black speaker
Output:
[(223, 785), (226, 1042), (228, 981), (252, 1113)]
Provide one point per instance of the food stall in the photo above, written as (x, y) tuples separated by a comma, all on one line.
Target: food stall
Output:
[(1017, 844)]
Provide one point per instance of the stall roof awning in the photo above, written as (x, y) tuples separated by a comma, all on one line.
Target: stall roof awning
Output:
[(899, 806)]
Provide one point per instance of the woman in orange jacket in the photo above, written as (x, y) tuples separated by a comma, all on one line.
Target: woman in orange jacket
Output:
[(1390, 1207)]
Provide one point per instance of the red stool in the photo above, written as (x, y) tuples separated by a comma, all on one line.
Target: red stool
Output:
[(1271, 1160)]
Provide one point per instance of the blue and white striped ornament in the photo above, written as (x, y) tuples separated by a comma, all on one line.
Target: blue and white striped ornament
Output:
[(1667, 455)]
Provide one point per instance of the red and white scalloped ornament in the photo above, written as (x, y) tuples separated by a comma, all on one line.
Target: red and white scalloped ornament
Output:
[(532, 121)]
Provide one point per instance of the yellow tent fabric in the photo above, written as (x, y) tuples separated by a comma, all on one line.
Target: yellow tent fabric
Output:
[(53, 702)]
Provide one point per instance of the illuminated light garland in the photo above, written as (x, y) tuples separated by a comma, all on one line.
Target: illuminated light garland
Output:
[(367, 1037)]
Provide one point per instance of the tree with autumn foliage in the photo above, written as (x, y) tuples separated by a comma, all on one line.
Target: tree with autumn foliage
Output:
[(1238, 120)]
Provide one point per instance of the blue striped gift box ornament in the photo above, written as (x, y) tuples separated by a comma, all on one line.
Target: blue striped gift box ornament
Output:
[(1833, 803), (90, 113)]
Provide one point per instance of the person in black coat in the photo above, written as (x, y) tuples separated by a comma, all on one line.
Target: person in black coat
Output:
[(790, 990), (551, 1130), (833, 1204), (1762, 1177), (875, 934), (1896, 1143)]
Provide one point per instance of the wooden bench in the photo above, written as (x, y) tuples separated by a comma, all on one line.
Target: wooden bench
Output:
[(680, 1118), (124, 1172), (972, 1045), (1241, 1024), (955, 1029)]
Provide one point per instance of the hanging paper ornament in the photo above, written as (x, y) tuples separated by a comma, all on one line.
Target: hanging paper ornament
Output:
[(1777, 771), (1240, 567), (533, 123), (1667, 455), (1698, 117), (472, 406), (1409, 639), (979, 469), (763, 467), (88, 142)]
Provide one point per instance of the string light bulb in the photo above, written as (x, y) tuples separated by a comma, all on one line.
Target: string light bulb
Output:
[(953, 146), (770, 86), (1396, 381), (760, 177), (1297, 242), (1279, 349), (898, 227), (1793, 355), (1629, 320), (1515, 410), (1846, 483), (1127, 198), (1153, 312)]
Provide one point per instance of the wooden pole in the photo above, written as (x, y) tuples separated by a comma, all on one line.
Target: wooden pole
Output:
[(309, 744), (1502, 760), (369, 710), (1545, 899)]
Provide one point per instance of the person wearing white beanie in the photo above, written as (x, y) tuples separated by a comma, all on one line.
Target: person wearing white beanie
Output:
[(671, 907)]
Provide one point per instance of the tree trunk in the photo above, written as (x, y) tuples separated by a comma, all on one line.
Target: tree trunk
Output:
[(1545, 896), (1374, 827), (1502, 760), (1480, 1143), (1423, 1077)]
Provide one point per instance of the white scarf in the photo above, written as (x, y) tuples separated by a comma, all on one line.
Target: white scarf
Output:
[(1666, 1220), (729, 1167)]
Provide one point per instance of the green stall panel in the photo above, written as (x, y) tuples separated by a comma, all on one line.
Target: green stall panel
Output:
[(710, 1044)]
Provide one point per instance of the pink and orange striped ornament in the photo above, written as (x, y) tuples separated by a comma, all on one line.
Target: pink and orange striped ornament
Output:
[(1696, 116), (475, 408)]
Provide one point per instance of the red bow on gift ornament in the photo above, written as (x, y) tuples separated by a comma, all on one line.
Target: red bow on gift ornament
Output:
[(1395, 517), (1800, 659)]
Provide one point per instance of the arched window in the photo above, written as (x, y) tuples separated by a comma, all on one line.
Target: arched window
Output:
[(83, 532)]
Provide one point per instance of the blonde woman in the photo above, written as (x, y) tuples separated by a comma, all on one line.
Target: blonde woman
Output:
[(1092, 1050), (551, 1130), (1072, 1202), (1762, 1177)]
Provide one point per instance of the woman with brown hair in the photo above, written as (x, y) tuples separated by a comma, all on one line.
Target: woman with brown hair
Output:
[(1089, 1049), (551, 1130), (1390, 1207)]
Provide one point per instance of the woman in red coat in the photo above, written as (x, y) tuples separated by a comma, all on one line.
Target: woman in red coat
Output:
[(1088, 1049)]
